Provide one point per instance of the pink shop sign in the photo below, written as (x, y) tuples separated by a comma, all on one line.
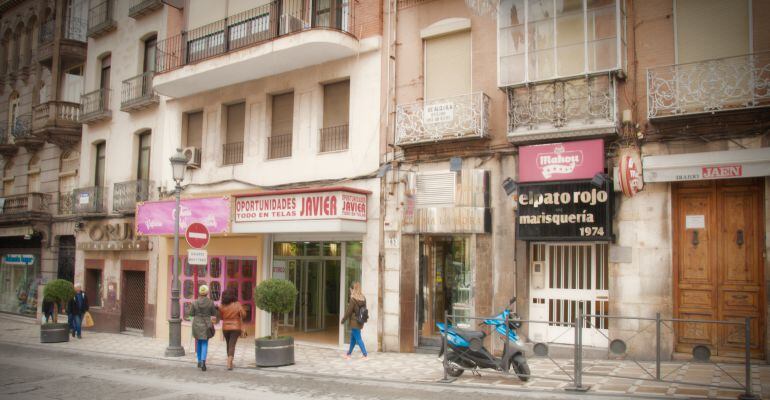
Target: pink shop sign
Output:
[(157, 217), (561, 161)]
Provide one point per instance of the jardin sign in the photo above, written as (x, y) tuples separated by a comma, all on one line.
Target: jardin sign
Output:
[(574, 210)]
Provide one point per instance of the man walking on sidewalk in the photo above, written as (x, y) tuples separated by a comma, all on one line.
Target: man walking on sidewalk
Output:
[(76, 307)]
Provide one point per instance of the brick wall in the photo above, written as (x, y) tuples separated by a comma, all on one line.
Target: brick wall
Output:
[(368, 18)]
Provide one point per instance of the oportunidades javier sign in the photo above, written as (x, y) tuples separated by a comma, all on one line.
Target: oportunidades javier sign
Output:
[(573, 210)]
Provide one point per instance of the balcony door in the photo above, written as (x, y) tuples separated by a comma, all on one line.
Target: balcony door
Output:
[(101, 150), (104, 82)]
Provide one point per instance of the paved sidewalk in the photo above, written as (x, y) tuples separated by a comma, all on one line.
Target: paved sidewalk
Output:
[(548, 375)]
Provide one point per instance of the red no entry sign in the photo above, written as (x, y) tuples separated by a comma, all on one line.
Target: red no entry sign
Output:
[(197, 235)]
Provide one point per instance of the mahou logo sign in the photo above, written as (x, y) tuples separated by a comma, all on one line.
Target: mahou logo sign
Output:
[(561, 161)]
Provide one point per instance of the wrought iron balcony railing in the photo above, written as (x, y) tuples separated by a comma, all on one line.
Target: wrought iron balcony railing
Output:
[(66, 203), (585, 104), (451, 118), (89, 200), (138, 93), (125, 195), (723, 84), (76, 29), (22, 126), (334, 138), (47, 30), (232, 153), (55, 113), (26, 203), (267, 22), (100, 18), (279, 146), (95, 106)]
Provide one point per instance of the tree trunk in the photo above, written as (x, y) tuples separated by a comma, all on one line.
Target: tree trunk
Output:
[(55, 313), (275, 326)]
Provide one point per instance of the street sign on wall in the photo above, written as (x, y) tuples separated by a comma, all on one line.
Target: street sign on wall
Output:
[(565, 211), (197, 235)]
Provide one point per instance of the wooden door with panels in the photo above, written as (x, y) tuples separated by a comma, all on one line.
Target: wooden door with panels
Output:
[(718, 242)]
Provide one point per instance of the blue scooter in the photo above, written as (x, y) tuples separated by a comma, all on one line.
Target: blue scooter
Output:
[(466, 348)]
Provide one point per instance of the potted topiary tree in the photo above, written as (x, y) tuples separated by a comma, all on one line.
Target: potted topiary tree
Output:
[(276, 296), (58, 291)]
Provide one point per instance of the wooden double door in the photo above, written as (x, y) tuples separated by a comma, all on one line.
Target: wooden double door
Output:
[(718, 239)]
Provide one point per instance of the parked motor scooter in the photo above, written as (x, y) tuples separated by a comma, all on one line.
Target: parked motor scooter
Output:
[(466, 347)]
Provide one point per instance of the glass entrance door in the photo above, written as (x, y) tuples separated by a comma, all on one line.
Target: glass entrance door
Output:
[(445, 284), (312, 294)]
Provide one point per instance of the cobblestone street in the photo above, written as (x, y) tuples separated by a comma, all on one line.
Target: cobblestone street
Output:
[(549, 376)]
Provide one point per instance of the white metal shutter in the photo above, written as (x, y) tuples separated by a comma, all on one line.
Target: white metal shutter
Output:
[(435, 189)]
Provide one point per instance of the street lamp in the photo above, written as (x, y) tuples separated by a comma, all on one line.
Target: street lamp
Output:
[(175, 349)]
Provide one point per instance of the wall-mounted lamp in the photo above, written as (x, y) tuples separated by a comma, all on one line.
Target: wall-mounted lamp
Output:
[(600, 180), (510, 186)]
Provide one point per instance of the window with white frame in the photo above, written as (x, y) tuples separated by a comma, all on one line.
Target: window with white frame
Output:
[(550, 39)]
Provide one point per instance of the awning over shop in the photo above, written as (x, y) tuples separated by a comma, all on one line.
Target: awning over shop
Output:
[(744, 163), (320, 210)]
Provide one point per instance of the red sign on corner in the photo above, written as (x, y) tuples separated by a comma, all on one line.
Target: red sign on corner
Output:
[(197, 235)]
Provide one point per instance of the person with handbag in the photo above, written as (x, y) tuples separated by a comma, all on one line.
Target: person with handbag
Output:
[(76, 307), (357, 314), (232, 313), (203, 311)]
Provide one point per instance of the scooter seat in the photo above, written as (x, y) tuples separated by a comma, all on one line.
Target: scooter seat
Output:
[(470, 334)]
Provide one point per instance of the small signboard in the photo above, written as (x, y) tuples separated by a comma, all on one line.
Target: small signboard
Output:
[(197, 257), (19, 259), (83, 199), (438, 113), (197, 235)]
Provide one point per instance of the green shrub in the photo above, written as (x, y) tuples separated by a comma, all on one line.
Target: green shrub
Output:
[(276, 296), (59, 291)]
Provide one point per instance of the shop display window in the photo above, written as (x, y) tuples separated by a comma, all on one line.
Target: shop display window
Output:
[(240, 274)]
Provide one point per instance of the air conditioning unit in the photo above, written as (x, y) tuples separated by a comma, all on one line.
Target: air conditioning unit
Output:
[(193, 156), (290, 23)]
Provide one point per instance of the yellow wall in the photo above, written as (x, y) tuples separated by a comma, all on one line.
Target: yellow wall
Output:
[(246, 246)]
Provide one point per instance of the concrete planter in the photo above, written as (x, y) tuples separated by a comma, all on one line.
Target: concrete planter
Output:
[(274, 353), (54, 333)]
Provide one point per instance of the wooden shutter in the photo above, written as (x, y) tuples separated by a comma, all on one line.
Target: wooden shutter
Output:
[(236, 119), (336, 104), (283, 114), (448, 65)]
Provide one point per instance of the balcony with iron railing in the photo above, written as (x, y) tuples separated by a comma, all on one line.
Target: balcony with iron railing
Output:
[(95, 106), (137, 93), (66, 203), (711, 86), (439, 120), (260, 36), (140, 8), (7, 146), (100, 18), (23, 135), (89, 200), (232, 153), (333, 138), (570, 108), (28, 205), (126, 195), (72, 47), (57, 121), (279, 146)]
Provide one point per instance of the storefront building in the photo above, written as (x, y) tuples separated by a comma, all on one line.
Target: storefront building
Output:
[(316, 238), (565, 222), (116, 268)]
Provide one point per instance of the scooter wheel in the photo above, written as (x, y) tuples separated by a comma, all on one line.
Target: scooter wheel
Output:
[(521, 367), (452, 370)]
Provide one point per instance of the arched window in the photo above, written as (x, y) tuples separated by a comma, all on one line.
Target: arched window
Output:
[(29, 43), (17, 39), (13, 112), (8, 178), (33, 174), (5, 49), (69, 162)]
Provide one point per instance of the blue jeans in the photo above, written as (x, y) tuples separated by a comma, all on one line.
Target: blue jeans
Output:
[(201, 348), (355, 339), (76, 322)]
